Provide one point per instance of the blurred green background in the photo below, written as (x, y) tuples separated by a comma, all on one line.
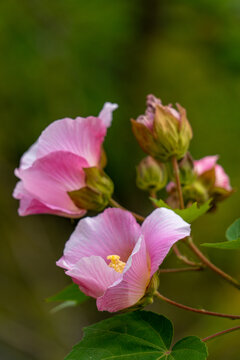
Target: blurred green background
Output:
[(66, 58)]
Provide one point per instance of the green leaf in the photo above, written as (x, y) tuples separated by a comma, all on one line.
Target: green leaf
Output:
[(139, 335), (189, 214), (233, 232), (233, 236), (62, 306), (69, 296), (226, 245)]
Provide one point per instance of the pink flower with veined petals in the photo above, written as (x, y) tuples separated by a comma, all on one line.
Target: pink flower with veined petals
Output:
[(208, 163), (54, 164), (112, 258)]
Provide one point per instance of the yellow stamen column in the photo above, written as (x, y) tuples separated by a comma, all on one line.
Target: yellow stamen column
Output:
[(116, 263)]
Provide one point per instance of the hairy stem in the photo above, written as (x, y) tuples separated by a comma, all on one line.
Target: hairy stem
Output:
[(183, 258), (138, 217), (220, 333), (198, 311), (213, 267), (177, 270), (177, 180), (181, 202), (190, 242)]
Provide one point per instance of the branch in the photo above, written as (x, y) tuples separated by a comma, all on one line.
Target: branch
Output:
[(220, 333), (190, 242), (181, 201), (138, 217), (177, 180), (199, 311), (183, 258), (213, 267), (177, 270)]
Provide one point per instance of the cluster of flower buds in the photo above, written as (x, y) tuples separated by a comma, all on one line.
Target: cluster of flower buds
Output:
[(165, 133), (111, 257), (201, 180)]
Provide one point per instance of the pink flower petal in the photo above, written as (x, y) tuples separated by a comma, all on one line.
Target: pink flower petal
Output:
[(129, 289), (29, 156), (29, 205), (146, 120), (113, 232), (170, 186), (106, 113), (205, 164), (161, 230), (50, 177), (93, 275), (222, 179), (82, 136)]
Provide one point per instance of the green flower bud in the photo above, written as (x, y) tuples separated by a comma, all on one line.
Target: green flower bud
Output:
[(151, 175), (163, 132), (97, 192), (186, 168), (195, 192)]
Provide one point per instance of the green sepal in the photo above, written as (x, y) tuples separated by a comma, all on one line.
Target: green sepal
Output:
[(97, 192), (147, 299), (173, 133)]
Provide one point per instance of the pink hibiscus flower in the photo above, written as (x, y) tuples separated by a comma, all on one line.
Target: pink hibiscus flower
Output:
[(53, 166), (209, 163), (112, 258)]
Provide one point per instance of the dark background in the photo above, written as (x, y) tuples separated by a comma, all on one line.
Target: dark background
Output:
[(66, 58)]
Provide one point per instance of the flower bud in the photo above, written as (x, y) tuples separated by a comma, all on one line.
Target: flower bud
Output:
[(186, 169), (213, 178), (207, 180), (163, 132), (195, 192), (151, 175), (97, 192)]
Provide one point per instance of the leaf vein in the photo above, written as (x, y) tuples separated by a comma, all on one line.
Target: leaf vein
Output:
[(127, 334)]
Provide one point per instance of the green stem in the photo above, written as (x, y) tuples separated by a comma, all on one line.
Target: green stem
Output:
[(220, 333), (198, 311), (138, 217)]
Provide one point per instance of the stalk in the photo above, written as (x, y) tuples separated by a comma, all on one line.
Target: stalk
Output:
[(138, 217), (220, 333), (189, 240), (198, 311)]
